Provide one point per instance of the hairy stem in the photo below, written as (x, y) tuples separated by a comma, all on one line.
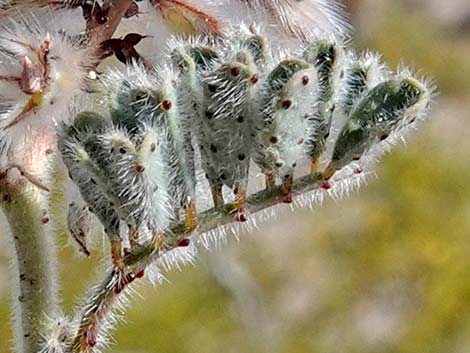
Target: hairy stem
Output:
[(105, 295), (35, 297), (96, 312)]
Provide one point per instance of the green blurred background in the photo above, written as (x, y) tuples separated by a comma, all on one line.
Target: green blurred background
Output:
[(385, 270)]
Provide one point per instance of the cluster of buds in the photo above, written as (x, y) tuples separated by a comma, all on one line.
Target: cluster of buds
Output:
[(226, 108)]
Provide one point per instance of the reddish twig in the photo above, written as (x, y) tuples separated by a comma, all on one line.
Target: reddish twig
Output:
[(102, 24)]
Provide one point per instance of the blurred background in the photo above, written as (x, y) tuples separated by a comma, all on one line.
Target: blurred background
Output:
[(385, 270)]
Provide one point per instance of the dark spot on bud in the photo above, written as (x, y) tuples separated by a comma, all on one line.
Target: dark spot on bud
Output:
[(305, 80), (383, 137), (254, 79), (93, 181), (209, 115), (241, 119), (223, 176), (287, 199), (122, 150), (183, 242), (153, 147), (279, 164), (300, 141), (356, 158), (241, 157), (212, 88), (235, 71), (166, 104), (286, 104), (102, 17), (139, 168), (358, 170), (45, 220), (130, 277), (22, 277), (6, 198), (273, 139), (214, 148)]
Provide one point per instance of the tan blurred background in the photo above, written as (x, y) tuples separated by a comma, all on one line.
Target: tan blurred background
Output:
[(385, 270)]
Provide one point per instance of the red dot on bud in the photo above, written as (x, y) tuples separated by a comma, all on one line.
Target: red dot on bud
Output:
[(127, 251), (254, 79), (305, 80), (140, 274), (287, 199), (183, 242), (45, 220), (130, 277), (286, 104), (358, 170), (90, 339), (139, 168), (49, 151), (166, 104), (235, 71), (326, 185), (241, 217)]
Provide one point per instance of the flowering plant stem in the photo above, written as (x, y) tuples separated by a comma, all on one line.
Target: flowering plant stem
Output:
[(105, 295), (35, 297)]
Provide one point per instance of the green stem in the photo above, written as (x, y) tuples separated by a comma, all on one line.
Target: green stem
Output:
[(35, 296), (100, 305)]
